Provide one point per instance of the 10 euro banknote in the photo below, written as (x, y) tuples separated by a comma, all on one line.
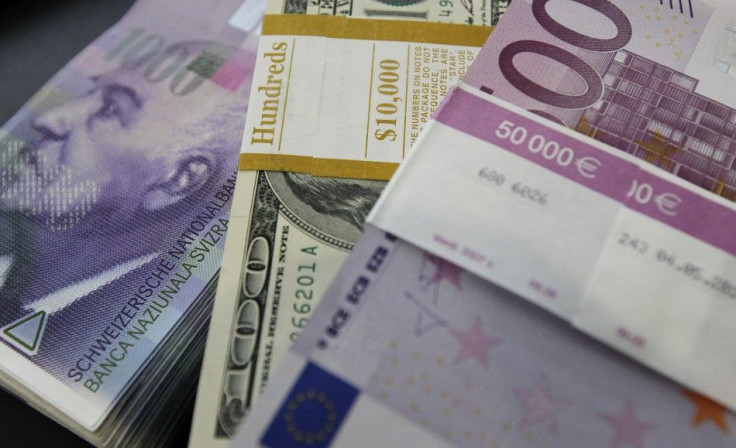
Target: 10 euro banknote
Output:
[(408, 349)]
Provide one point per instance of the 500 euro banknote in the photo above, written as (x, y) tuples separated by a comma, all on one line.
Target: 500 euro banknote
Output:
[(648, 77), (622, 235)]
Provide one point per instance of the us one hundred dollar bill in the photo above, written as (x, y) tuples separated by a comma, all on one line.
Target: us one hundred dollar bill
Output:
[(242, 346), (230, 381), (288, 235)]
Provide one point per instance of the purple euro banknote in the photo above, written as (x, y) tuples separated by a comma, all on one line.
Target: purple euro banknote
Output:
[(407, 349), (116, 180), (652, 78)]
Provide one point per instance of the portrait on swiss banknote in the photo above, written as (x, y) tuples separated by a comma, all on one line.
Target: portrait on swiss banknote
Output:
[(106, 175)]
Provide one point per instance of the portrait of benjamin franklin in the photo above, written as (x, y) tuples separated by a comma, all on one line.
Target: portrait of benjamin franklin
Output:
[(333, 208)]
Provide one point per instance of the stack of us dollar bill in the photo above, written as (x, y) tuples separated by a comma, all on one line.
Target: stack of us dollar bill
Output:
[(116, 181), (578, 181), (340, 91)]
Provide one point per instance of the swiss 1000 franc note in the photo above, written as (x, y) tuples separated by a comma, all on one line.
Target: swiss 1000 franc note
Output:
[(115, 187)]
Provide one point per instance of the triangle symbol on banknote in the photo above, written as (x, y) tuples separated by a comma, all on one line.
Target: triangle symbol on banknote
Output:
[(26, 333), (426, 321)]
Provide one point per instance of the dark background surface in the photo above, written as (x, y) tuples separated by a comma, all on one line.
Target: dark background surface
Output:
[(37, 38)]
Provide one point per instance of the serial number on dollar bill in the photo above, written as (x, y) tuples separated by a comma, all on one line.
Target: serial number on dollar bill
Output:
[(303, 297)]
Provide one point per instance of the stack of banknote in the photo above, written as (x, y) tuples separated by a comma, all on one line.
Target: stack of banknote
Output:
[(331, 115), (550, 263), (549, 266), (116, 181)]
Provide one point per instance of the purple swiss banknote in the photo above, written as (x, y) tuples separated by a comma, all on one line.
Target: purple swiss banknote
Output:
[(115, 187)]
